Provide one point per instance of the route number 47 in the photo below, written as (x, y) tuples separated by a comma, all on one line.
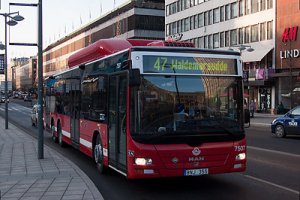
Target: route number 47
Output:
[(160, 63)]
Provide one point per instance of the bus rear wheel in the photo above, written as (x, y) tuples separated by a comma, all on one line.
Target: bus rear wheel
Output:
[(54, 138), (98, 155), (59, 132)]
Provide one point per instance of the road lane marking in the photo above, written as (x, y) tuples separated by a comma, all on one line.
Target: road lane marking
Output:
[(274, 151), (273, 184), (261, 124)]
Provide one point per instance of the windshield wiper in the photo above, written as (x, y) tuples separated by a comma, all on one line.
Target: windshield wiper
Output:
[(228, 131)]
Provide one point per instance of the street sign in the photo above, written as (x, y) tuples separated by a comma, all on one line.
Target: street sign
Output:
[(1, 63)]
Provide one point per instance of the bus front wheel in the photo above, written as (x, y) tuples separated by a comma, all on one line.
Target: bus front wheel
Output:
[(98, 155)]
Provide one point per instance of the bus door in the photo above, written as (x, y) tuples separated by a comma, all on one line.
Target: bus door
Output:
[(117, 121), (75, 110)]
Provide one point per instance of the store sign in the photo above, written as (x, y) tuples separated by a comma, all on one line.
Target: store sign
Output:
[(1, 63), (289, 35)]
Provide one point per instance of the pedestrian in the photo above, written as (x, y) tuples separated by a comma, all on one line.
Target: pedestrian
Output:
[(280, 108), (252, 108)]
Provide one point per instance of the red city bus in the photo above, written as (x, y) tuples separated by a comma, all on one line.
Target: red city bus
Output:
[(151, 109)]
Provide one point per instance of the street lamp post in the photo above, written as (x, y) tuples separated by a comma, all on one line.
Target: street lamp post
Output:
[(40, 73), (12, 22)]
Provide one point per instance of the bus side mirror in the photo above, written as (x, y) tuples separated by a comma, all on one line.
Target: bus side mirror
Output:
[(134, 77), (247, 117)]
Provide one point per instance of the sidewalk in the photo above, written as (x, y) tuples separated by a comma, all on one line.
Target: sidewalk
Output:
[(24, 177), (263, 119)]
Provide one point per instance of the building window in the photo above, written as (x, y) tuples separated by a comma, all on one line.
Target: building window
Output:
[(270, 30), (187, 24), (247, 34), (210, 19), (167, 29), (254, 6), (196, 42), (222, 39), (206, 41), (241, 7), (201, 20), (269, 4), (182, 4), (187, 4), (201, 42), (234, 10), (210, 41), (262, 5), (216, 15), (192, 24), (182, 25), (178, 26), (192, 3), (233, 37), (247, 7), (167, 10), (262, 31), (206, 18), (227, 12), (227, 39), (196, 21), (241, 35), (216, 40), (179, 5), (222, 14), (196, 2), (254, 33)]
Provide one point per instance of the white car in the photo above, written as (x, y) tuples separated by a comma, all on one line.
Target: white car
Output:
[(2, 100)]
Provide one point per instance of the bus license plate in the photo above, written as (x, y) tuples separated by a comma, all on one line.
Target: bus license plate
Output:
[(195, 172)]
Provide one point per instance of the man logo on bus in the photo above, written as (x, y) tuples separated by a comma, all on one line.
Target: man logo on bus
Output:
[(196, 151)]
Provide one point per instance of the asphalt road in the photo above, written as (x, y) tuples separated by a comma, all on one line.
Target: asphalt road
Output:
[(273, 170)]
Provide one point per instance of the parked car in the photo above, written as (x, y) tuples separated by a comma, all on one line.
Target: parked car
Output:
[(34, 115), (27, 98), (287, 124)]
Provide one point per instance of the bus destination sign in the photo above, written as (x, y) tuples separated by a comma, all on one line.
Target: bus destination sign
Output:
[(189, 65)]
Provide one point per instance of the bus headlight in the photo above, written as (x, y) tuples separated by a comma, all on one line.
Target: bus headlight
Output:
[(143, 161), (240, 156)]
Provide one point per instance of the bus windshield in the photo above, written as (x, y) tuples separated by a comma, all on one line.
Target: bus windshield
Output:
[(187, 105)]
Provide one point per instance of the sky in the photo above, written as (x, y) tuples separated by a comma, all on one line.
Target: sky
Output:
[(60, 17)]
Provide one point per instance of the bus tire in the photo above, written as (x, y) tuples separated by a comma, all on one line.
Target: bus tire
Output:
[(54, 138), (60, 140), (98, 155)]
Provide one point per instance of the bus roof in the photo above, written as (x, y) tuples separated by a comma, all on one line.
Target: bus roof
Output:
[(105, 47)]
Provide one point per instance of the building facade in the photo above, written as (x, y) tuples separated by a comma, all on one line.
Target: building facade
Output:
[(242, 25), (143, 19), (25, 76), (288, 53), (13, 65)]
